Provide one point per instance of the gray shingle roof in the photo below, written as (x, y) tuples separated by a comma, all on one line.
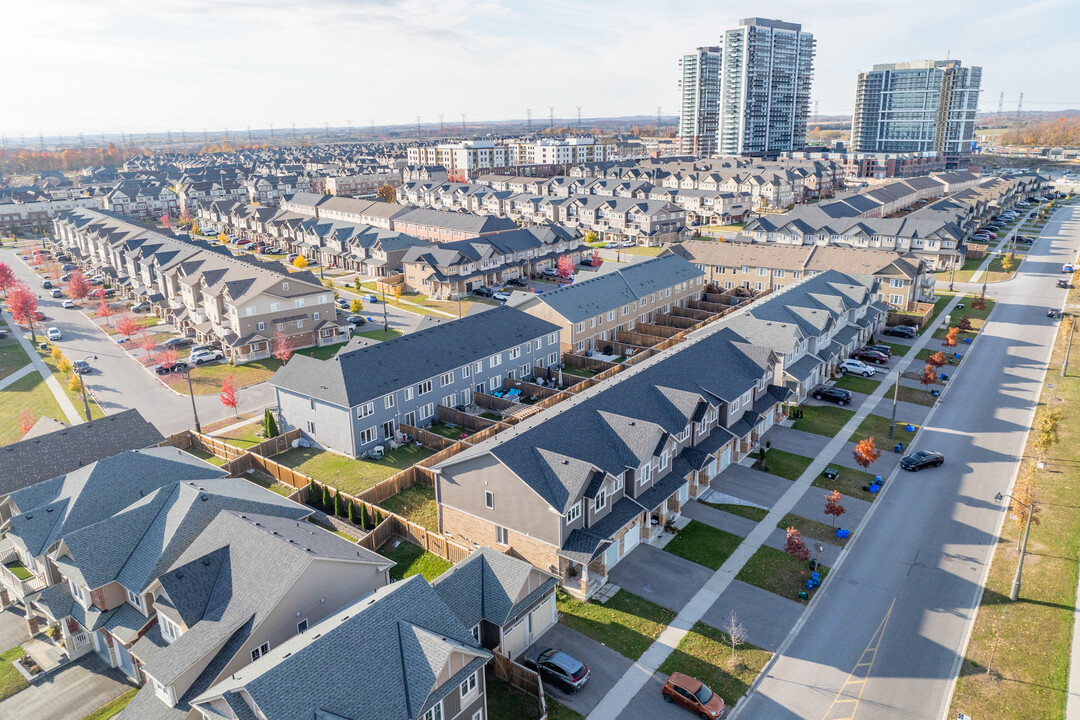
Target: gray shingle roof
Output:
[(357, 376)]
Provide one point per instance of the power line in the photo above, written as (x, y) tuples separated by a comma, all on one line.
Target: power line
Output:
[(418, 126), (440, 123), (1001, 103), (579, 117)]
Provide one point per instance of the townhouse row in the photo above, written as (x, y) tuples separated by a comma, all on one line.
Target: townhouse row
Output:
[(239, 302)]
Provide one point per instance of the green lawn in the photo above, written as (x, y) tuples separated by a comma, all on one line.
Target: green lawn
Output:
[(579, 372), (878, 427), (113, 707), (12, 356), (415, 504), (849, 482), (244, 436), (352, 476), (776, 571), (703, 544), (412, 560), (18, 570), (488, 415), (916, 396), (637, 250), (854, 383), (75, 396), (267, 481), (949, 354), (557, 711), (814, 529), (784, 464), (823, 420), (27, 393), (11, 681), (505, 702), (380, 335), (626, 623), (207, 379), (898, 350), (322, 353), (204, 455), (705, 653), (747, 511), (330, 528), (450, 433)]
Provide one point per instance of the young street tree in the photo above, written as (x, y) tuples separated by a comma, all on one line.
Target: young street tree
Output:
[(127, 326), (228, 394), (356, 306), (866, 452), (564, 268), (1008, 262), (26, 420), (795, 547), (1023, 497), (105, 310), (300, 262), (833, 506), (78, 286), (147, 343), (282, 346), (736, 633), (964, 325), (929, 376), (950, 337), (938, 360), (22, 304), (269, 424)]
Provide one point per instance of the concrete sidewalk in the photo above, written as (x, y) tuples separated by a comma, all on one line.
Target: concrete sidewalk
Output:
[(628, 686), (53, 384), (17, 375)]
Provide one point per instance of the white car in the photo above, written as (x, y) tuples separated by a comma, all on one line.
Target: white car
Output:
[(53, 333), (198, 357), (68, 304), (856, 367), (550, 272), (501, 296)]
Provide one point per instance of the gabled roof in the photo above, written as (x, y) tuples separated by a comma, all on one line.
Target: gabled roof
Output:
[(492, 586)]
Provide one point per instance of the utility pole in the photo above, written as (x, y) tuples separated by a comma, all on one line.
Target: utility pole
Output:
[(1014, 592), (440, 123), (1020, 108), (895, 398), (372, 127), (579, 118), (658, 119), (249, 133), (1001, 104), (417, 126), (1068, 348), (191, 393)]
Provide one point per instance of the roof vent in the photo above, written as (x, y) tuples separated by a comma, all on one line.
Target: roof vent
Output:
[(204, 498), (29, 517), (179, 575), (49, 509)]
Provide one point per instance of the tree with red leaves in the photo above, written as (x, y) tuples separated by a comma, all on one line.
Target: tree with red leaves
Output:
[(22, 304), (228, 394), (950, 337), (105, 310), (168, 356), (938, 359), (166, 220), (979, 303), (26, 420), (282, 346), (964, 325), (147, 343), (78, 286), (7, 278), (833, 506), (127, 326), (795, 547), (929, 376), (38, 258), (564, 268), (866, 452)]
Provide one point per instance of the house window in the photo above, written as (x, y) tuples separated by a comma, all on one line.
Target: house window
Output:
[(135, 599), (525, 370), (495, 361), (364, 410), (311, 427), (407, 393), (301, 627), (515, 353), (553, 337), (476, 633), (311, 402), (469, 686), (367, 436), (249, 310), (299, 324), (501, 535), (663, 460), (446, 379), (489, 500), (581, 327), (260, 326), (466, 371), (316, 316), (388, 401), (494, 384), (260, 651), (298, 302), (896, 283), (611, 315), (896, 299), (424, 387), (274, 307), (646, 474), (600, 501), (450, 400), (573, 513), (778, 273)]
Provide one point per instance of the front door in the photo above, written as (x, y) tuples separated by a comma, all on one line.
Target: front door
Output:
[(101, 647)]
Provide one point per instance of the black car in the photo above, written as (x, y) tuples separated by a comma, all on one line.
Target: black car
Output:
[(904, 331), (483, 292), (343, 303), (356, 319), (3, 334), (883, 349), (558, 666), (922, 459), (833, 395), (1063, 283), (177, 342), (166, 368), (518, 281)]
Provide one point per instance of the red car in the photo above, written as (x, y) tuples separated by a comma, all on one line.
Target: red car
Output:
[(871, 356), (693, 695), (987, 232)]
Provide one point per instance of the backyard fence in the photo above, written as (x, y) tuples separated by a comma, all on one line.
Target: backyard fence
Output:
[(520, 677)]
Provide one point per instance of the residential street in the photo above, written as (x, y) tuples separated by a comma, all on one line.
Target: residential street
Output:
[(885, 636)]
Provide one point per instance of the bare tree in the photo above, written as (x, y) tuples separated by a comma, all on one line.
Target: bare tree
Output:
[(736, 633)]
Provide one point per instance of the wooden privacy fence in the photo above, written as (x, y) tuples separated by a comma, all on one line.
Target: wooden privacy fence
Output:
[(697, 315), (520, 677), (453, 416), (708, 306), (396, 526), (629, 337), (674, 321), (918, 317), (528, 389), (580, 362), (276, 445), (490, 402), (427, 438), (220, 448), (664, 331)]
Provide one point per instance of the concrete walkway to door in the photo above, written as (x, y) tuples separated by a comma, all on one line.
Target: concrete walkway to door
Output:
[(73, 692)]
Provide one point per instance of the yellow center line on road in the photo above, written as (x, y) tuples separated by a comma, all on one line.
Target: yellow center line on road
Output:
[(846, 703)]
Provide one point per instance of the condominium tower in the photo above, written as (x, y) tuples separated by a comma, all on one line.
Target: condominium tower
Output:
[(921, 106), (699, 112), (767, 66)]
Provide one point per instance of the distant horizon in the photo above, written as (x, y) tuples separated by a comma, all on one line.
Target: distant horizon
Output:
[(124, 66)]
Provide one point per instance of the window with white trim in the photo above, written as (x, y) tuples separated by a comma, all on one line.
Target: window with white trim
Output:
[(495, 360), (260, 651), (600, 501), (553, 337), (573, 513), (135, 599), (489, 500), (407, 394), (446, 379), (664, 460), (645, 474), (426, 411), (362, 411), (424, 387), (388, 401), (515, 353), (469, 686), (501, 536), (274, 307), (368, 436), (301, 627), (466, 371), (298, 302)]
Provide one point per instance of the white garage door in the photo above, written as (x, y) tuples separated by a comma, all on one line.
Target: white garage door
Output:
[(769, 417), (515, 639), (542, 618), (631, 539), (725, 458)]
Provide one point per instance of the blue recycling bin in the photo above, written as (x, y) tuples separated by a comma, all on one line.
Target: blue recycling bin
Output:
[(935, 393), (957, 355), (874, 488), (967, 341), (815, 575), (878, 479), (944, 377), (898, 447), (909, 428)]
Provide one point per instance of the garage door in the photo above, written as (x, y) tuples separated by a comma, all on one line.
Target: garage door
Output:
[(542, 618), (515, 638), (769, 419), (725, 458), (631, 539)]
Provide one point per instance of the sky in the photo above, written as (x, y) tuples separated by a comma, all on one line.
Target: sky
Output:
[(148, 66)]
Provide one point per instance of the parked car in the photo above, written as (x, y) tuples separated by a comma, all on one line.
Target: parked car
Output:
[(242, 243), (3, 334), (1067, 269), (518, 281), (1025, 239), (69, 267), (827, 393), (64, 257), (483, 292), (81, 367), (550, 272), (694, 695), (589, 262), (904, 331), (343, 303), (856, 367), (501, 296), (170, 367), (53, 333), (68, 304), (109, 292), (291, 256), (140, 307), (356, 320), (1063, 283), (871, 356), (1053, 313), (883, 349), (177, 343), (558, 666), (987, 233), (57, 292), (46, 284), (371, 298), (922, 459), (208, 355)]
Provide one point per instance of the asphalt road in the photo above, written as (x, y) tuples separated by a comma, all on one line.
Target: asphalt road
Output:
[(883, 638), (118, 381)]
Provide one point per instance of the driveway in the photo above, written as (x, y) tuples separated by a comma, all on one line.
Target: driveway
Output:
[(795, 441), (73, 692), (659, 576), (13, 627), (753, 486), (812, 506), (649, 703), (734, 524), (884, 465), (606, 666), (829, 553), (905, 412), (767, 617)]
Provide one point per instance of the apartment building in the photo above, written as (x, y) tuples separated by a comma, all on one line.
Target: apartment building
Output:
[(589, 312), (18, 214), (905, 278), (921, 106), (765, 77), (700, 107), (453, 269), (877, 165), (366, 184), (646, 222), (358, 399), (142, 199), (466, 159), (195, 193), (202, 289)]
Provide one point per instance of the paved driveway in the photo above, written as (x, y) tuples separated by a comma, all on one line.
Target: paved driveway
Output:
[(752, 486), (812, 506), (659, 576), (884, 465), (725, 521), (606, 666), (649, 704), (905, 412), (795, 441), (829, 553), (766, 616), (73, 692), (13, 627)]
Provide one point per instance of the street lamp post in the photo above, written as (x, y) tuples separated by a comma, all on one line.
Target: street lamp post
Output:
[(895, 397), (1014, 592), (82, 386), (952, 272), (384, 323), (191, 393)]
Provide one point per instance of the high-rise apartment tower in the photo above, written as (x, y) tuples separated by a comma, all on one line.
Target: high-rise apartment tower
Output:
[(699, 112)]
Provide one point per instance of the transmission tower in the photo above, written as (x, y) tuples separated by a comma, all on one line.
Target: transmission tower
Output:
[(326, 129), (417, 126), (816, 104), (372, 127), (658, 119), (294, 132), (551, 117), (271, 131), (1001, 103), (579, 117), (226, 135), (249, 133), (440, 123), (80, 141), (183, 137), (1020, 108), (204, 136), (462, 124), (528, 119)]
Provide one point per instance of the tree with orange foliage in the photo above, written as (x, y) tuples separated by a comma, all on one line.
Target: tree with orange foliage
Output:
[(833, 506), (866, 452), (147, 342), (929, 376), (127, 326), (938, 360), (950, 337), (26, 420), (105, 310), (7, 278), (78, 286), (22, 304), (282, 346)]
